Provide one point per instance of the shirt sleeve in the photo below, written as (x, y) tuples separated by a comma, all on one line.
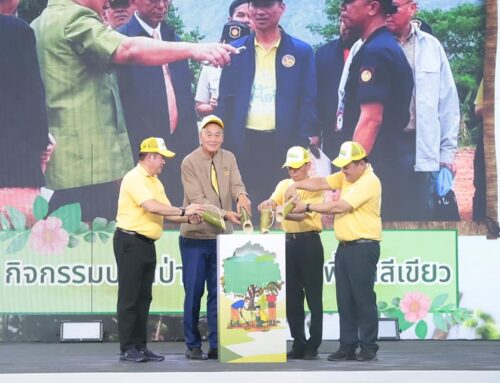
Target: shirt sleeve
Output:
[(91, 39), (138, 190), (335, 180), (279, 192), (373, 78), (202, 90)]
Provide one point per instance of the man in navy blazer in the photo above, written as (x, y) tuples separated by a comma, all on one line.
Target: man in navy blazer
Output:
[(23, 118), (144, 96), (330, 60), (267, 98)]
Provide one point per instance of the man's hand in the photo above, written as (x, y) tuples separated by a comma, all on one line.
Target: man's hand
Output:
[(213, 103), (314, 146), (300, 207), (47, 153), (195, 209), (215, 54), (233, 217), (194, 219), (268, 203), (244, 202)]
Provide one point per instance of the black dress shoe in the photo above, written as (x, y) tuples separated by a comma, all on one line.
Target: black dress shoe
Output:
[(295, 354), (342, 354), (311, 355), (195, 353), (152, 356), (213, 353), (133, 355), (366, 355)]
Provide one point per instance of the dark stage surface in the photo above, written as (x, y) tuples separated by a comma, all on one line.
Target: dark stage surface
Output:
[(402, 361)]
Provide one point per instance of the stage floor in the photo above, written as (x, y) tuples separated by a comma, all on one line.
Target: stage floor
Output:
[(410, 361)]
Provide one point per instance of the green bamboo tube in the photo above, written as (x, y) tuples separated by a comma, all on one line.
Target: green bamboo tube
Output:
[(214, 219), (287, 209), (246, 221), (265, 220)]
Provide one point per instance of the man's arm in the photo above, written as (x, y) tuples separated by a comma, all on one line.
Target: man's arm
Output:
[(310, 184), (368, 125), (146, 51), (155, 207), (330, 207), (449, 115)]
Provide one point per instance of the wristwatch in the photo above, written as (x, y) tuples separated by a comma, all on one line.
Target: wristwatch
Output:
[(183, 211), (308, 207)]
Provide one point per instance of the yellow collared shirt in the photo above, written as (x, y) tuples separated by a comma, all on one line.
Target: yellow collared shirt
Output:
[(312, 222), (262, 109), (364, 195), (137, 187)]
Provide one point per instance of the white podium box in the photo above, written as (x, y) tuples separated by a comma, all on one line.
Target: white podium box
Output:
[(251, 298)]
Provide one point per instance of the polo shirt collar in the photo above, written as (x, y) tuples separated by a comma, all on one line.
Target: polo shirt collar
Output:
[(143, 171)]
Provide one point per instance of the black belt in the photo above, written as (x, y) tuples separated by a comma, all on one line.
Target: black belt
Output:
[(303, 234), (135, 234), (357, 241)]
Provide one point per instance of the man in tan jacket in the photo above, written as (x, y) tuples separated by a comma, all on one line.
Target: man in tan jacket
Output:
[(210, 176)]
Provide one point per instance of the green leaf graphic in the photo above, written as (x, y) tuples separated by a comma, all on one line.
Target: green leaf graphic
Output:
[(83, 228), (18, 243), (99, 224), (111, 227), (40, 208), (5, 222), (421, 329), (438, 302), (103, 237), (395, 301), (17, 218), (90, 237), (73, 242), (70, 215), (5, 235), (440, 322), (382, 305)]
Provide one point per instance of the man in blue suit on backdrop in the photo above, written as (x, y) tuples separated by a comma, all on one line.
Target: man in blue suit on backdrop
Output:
[(158, 101), (267, 98)]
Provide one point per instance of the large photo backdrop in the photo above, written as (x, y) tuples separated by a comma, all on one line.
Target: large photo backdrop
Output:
[(56, 247)]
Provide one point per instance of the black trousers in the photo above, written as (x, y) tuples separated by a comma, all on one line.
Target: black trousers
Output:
[(304, 278), (136, 263), (355, 271)]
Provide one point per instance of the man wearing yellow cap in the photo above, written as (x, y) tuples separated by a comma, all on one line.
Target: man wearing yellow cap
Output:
[(304, 258), (142, 204), (358, 228), (210, 176)]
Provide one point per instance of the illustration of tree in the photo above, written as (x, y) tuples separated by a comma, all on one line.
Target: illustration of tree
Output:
[(249, 271)]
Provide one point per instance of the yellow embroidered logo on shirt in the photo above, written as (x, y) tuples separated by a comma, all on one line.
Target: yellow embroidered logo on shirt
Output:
[(366, 75)]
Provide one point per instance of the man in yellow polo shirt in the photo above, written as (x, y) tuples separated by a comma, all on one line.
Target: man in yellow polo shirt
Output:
[(142, 204), (358, 228), (304, 258)]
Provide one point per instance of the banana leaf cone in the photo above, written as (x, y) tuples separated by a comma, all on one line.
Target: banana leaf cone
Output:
[(246, 221), (287, 209), (265, 220), (214, 219)]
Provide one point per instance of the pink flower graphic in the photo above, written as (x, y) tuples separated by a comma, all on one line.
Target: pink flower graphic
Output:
[(415, 306), (48, 236)]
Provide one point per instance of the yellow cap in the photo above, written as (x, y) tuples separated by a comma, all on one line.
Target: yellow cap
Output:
[(212, 119), (156, 145), (296, 157), (349, 151)]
